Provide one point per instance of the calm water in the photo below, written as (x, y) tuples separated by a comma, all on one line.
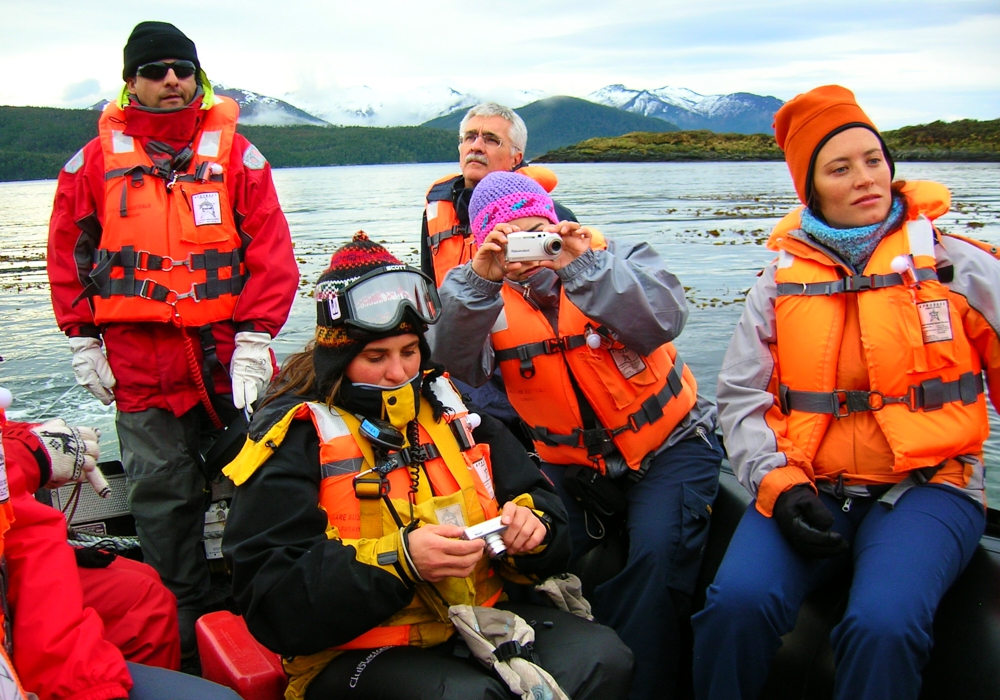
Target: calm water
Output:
[(708, 220)]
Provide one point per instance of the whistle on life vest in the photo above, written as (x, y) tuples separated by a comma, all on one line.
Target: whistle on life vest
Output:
[(206, 170), (903, 266)]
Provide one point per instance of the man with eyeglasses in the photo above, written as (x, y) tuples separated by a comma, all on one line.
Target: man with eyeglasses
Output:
[(491, 137), (167, 243)]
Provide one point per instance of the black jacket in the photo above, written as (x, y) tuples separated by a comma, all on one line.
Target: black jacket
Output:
[(301, 592)]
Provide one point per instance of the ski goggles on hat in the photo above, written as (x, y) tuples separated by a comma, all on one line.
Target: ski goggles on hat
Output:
[(158, 70), (377, 301)]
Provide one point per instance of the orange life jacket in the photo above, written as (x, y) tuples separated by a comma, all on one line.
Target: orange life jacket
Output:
[(6, 518), (637, 399), (170, 249), (450, 243), (926, 386), (357, 513)]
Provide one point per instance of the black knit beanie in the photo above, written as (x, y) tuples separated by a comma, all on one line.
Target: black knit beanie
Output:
[(337, 346), (154, 41)]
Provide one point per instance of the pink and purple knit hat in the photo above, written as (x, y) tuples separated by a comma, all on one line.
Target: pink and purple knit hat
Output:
[(501, 197)]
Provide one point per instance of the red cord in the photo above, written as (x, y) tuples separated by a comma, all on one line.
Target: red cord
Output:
[(199, 382)]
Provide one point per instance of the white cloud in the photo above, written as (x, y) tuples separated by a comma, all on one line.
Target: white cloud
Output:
[(907, 63)]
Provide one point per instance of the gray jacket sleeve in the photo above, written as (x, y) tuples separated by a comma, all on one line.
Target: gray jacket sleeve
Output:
[(742, 392), (460, 340), (628, 289)]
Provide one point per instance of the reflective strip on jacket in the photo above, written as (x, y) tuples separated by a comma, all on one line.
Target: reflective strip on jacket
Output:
[(450, 243), (894, 359), (620, 385), (170, 248)]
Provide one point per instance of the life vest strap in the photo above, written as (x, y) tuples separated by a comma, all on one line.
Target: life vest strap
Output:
[(929, 395), (438, 238), (852, 284), (650, 411), (136, 172), (550, 346), (130, 260), (170, 177)]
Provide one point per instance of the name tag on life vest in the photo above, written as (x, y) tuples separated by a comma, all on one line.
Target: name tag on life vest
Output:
[(484, 475), (629, 363), (206, 208), (935, 321), (451, 515)]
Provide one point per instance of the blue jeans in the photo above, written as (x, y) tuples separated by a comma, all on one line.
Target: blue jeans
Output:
[(153, 683), (904, 560), (667, 518)]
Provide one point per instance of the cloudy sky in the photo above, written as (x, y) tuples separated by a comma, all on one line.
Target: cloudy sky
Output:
[(908, 62)]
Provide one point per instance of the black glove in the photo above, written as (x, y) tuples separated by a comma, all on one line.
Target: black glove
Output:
[(806, 523)]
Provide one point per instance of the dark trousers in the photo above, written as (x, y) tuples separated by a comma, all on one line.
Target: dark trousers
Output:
[(588, 661), (904, 560), (648, 602), (168, 493)]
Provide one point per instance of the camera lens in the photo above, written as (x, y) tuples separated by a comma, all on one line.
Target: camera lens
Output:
[(552, 246), (495, 545)]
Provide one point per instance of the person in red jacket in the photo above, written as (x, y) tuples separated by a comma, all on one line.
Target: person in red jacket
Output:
[(167, 243), (57, 646)]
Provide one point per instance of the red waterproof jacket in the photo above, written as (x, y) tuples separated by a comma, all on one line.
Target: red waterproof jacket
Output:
[(59, 646), (148, 359)]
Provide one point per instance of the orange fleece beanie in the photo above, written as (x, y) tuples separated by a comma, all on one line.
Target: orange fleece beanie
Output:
[(807, 121)]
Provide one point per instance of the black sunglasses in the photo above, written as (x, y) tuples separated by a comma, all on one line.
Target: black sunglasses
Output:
[(159, 69)]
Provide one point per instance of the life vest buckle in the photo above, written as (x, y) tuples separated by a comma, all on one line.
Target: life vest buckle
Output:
[(169, 264), (173, 297), (371, 487), (847, 402), (858, 283)]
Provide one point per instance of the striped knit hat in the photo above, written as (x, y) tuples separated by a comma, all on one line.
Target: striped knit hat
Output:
[(501, 197), (337, 346)]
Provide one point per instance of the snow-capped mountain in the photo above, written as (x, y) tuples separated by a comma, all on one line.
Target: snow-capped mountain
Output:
[(739, 112), (365, 106), (257, 109), (261, 110)]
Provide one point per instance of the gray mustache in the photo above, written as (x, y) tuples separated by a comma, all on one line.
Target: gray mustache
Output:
[(476, 158)]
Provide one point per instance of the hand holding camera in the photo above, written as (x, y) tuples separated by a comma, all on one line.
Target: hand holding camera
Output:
[(508, 249)]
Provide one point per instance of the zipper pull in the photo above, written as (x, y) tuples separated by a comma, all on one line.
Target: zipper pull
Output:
[(847, 505), (701, 432)]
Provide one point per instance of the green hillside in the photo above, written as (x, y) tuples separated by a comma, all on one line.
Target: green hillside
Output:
[(965, 140), (560, 121), (35, 142), (677, 145)]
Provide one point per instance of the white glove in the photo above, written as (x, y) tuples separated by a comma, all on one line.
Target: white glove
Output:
[(92, 369), (72, 453), (251, 368)]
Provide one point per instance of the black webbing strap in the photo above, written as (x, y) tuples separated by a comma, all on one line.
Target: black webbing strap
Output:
[(525, 352), (438, 238), (929, 395), (407, 456), (209, 357), (852, 284), (649, 412), (138, 172), (129, 260), (514, 650)]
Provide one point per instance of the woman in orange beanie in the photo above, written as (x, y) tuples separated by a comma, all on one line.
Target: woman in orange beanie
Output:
[(851, 399)]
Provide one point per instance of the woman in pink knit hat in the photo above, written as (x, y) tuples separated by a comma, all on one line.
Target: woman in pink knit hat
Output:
[(581, 328), (851, 400)]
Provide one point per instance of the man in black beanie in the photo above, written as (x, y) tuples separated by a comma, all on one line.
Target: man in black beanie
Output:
[(188, 273)]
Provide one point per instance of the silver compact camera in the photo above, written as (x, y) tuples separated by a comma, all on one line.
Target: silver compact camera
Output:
[(489, 531), (528, 246)]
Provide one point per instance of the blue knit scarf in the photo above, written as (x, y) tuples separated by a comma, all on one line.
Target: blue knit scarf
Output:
[(855, 245)]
